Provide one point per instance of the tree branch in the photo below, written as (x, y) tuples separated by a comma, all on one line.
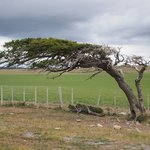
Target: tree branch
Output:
[(67, 69), (118, 57), (93, 75)]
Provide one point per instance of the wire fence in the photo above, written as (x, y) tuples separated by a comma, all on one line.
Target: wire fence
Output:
[(61, 96)]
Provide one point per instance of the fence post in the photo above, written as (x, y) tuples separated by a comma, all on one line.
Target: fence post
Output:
[(1, 95), (35, 96), (148, 101), (24, 95), (98, 100), (47, 103), (72, 97), (115, 102), (12, 95), (60, 96)]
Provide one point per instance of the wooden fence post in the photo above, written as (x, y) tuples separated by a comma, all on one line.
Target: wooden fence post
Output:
[(60, 96), (72, 97), (98, 100), (1, 95), (115, 102), (35, 96), (12, 95), (47, 97), (148, 101), (24, 95)]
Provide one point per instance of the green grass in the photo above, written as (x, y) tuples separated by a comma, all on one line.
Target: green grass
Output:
[(85, 91)]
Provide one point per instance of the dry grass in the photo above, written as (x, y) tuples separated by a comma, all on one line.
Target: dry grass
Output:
[(19, 71), (50, 129), (79, 70)]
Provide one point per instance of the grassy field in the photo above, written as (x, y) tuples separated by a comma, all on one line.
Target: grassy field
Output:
[(84, 91)]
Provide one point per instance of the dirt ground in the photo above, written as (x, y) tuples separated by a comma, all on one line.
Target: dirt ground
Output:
[(54, 129)]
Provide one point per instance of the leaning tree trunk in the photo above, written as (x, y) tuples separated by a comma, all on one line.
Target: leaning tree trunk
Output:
[(139, 89), (134, 105)]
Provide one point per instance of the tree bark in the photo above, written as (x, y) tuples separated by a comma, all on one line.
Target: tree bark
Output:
[(139, 89), (134, 105)]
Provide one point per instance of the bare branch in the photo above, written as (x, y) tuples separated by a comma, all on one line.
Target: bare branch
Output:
[(138, 60), (58, 75), (118, 57), (136, 68), (67, 69), (93, 75)]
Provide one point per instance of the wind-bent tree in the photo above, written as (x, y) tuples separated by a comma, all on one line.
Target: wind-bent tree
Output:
[(140, 65), (56, 55)]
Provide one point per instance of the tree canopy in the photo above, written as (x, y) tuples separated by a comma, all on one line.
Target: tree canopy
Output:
[(53, 53)]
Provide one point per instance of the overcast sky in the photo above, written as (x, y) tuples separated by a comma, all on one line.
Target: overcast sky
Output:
[(124, 23)]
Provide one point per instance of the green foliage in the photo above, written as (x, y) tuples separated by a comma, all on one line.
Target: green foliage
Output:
[(58, 53), (24, 50), (1, 54)]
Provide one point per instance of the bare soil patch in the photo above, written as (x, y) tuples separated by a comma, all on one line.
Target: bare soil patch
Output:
[(54, 129)]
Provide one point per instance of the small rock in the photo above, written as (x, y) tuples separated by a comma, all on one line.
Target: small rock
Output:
[(127, 123), (92, 125), (57, 128), (129, 129), (123, 113), (143, 146), (137, 123), (67, 139), (11, 113), (118, 120), (29, 135), (99, 125), (130, 147), (117, 127), (78, 120), (138, 130)]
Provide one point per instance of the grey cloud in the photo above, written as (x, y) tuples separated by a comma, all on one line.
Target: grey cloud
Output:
[(47, 8), (107, 21), (20, 26)]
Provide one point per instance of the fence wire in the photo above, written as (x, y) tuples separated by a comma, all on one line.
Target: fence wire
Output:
[(63, 95)]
